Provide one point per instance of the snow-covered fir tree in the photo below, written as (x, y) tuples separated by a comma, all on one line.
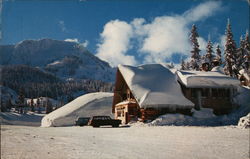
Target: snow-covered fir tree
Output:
[(183, 64), (229, 53), (247, 52), (209, 55), (218, 55), (239, 57), (195, 52)]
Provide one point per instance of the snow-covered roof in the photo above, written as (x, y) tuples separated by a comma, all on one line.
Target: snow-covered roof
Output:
[(126, 102), (154, 85), (210, 79)]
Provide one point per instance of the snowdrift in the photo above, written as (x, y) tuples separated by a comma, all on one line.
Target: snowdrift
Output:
[(84, 106)]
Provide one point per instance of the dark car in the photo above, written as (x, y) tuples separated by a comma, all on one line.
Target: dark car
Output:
[(81, 121), (97, 121)]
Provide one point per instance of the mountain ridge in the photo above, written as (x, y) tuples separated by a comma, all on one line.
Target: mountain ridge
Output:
[(48, 53)]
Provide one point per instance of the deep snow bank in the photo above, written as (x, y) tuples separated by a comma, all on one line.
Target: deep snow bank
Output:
[(84, 106), (199, 118)]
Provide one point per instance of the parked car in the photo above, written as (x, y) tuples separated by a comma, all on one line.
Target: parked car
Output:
[(81, 121), (97, 121)]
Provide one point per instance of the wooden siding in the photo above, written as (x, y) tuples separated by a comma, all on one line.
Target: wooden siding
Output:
[(218, 99)]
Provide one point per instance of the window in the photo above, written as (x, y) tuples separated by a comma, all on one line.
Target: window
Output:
[(120, 113)]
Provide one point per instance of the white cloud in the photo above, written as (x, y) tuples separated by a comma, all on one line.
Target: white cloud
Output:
[(115, 43), (164, 36), (202, 11), (157, 40), (85, 43), (170, 34), (75, 40), (72, 40)]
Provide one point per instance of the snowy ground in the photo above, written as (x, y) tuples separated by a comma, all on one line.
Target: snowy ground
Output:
[(171, 142), (28, 119)]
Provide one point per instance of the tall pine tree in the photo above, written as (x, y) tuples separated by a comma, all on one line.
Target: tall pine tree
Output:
[(246, 55), (239, 58), (230, 51), (195, 52), (218, 54), (209, 55)]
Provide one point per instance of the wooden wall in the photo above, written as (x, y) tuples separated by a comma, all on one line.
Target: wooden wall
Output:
[(219, 99)]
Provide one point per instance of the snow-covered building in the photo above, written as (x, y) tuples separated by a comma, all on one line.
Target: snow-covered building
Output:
[(147, 91), (211, 89)]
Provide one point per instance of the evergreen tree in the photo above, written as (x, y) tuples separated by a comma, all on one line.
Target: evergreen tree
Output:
[(240, 55), (32, 105), (218, 55), (246, 55), (21, 96), (195, 51), (183, 65), (209, 55), (230, 51)]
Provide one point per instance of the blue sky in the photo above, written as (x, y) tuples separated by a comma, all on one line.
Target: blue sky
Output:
[(125, 31)]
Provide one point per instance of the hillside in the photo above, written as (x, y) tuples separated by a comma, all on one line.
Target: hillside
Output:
[(36, 83), (63, 59)]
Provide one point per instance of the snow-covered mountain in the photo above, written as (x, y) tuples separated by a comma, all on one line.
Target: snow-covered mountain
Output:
[(62, 58)]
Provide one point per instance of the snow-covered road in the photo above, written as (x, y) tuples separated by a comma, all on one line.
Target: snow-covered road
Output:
[(168, 142)]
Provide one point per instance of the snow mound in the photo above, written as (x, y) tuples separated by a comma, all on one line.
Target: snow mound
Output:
[(84, 106), (244, 121), (218, 69), (204, 113), (172, 119), (198, 118)]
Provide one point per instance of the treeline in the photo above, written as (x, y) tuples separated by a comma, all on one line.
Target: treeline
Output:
[(56, 90), (234, 60), (33, 82)]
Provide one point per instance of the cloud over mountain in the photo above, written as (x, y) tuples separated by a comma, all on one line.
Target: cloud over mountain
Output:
[(115, 42), (155, 41)]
